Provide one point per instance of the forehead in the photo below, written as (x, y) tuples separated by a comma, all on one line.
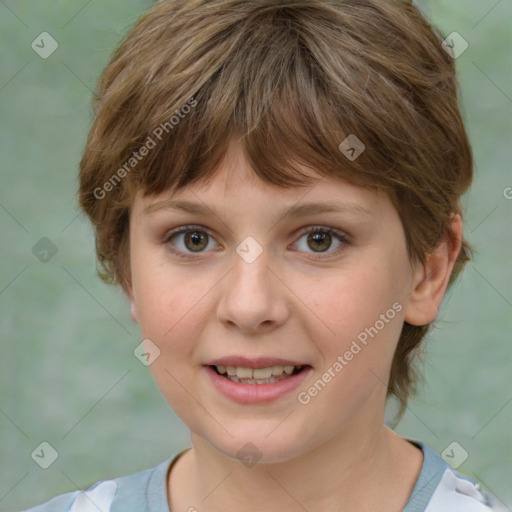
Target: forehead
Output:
[(234, 185)]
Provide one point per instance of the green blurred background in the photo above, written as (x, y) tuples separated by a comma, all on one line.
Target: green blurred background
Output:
[(68, 373)]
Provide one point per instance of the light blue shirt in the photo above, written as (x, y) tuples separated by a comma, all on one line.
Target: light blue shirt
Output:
[(438, 488)]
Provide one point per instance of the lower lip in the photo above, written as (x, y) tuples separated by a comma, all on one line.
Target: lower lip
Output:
[(256, 393)]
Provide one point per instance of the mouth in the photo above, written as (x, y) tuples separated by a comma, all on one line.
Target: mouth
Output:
[(256, 380), (257, 376)]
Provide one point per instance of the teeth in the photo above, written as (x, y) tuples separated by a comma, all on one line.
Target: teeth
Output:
[(256, 375), (260, 373), (243, 373), (277, 370)]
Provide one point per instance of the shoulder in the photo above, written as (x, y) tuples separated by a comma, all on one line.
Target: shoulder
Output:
[(140, 492), (98, 497), (440, 488)]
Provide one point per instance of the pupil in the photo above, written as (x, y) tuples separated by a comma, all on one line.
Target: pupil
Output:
[(318, 238), (196, 239)]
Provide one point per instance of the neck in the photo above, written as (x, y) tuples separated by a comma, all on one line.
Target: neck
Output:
[(380, 466)]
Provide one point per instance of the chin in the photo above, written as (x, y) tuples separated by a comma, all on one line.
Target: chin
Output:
[(266, 442)]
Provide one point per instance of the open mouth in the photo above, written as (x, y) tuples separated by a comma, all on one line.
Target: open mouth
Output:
[(266, 375)]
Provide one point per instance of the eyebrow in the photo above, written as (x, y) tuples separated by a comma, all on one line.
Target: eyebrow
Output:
[(298, 210)]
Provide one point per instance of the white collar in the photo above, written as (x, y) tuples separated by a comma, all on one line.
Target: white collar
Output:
[(98, 499), (454, 493)]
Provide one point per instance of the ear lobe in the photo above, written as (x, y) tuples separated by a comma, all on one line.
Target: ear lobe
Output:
[(133, 311), (431, 279), (133, 307)]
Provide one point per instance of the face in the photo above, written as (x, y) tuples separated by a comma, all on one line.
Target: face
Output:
[(252, 289)]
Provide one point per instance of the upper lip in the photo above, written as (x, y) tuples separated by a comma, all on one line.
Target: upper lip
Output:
[(255, 362)]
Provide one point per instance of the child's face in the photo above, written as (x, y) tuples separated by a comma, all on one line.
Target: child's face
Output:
[(293, 302)]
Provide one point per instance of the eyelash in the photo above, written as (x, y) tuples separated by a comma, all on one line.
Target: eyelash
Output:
[(340, 235)]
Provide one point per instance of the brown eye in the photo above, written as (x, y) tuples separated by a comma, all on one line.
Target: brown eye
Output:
[(188, 240), (319, 239), (195, 240), (319, 242)]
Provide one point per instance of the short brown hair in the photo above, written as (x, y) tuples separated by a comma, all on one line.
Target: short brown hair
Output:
[(291, 80)]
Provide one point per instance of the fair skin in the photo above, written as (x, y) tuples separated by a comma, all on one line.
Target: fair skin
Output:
[(294, 301)]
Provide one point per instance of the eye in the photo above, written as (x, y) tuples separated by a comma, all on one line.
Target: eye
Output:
[(320, 239), (195, 240), (187, 240)]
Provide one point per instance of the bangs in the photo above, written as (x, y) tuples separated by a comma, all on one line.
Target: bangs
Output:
[(287, 101)]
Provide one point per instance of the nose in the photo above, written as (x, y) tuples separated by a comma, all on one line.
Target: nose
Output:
[(254, 299)]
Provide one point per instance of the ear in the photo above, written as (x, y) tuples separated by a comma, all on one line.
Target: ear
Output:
[(430, 280), (133, 308)]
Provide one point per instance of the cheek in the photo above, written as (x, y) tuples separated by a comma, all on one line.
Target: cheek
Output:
[(363, 310), (166, 303), (172, 308), (172, 315), (159, 295), (356, 360), (351, 301)]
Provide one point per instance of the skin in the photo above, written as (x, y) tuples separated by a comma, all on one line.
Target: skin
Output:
[(293, 301)]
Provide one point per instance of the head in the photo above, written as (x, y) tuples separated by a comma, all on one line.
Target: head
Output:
[(244, 107)]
